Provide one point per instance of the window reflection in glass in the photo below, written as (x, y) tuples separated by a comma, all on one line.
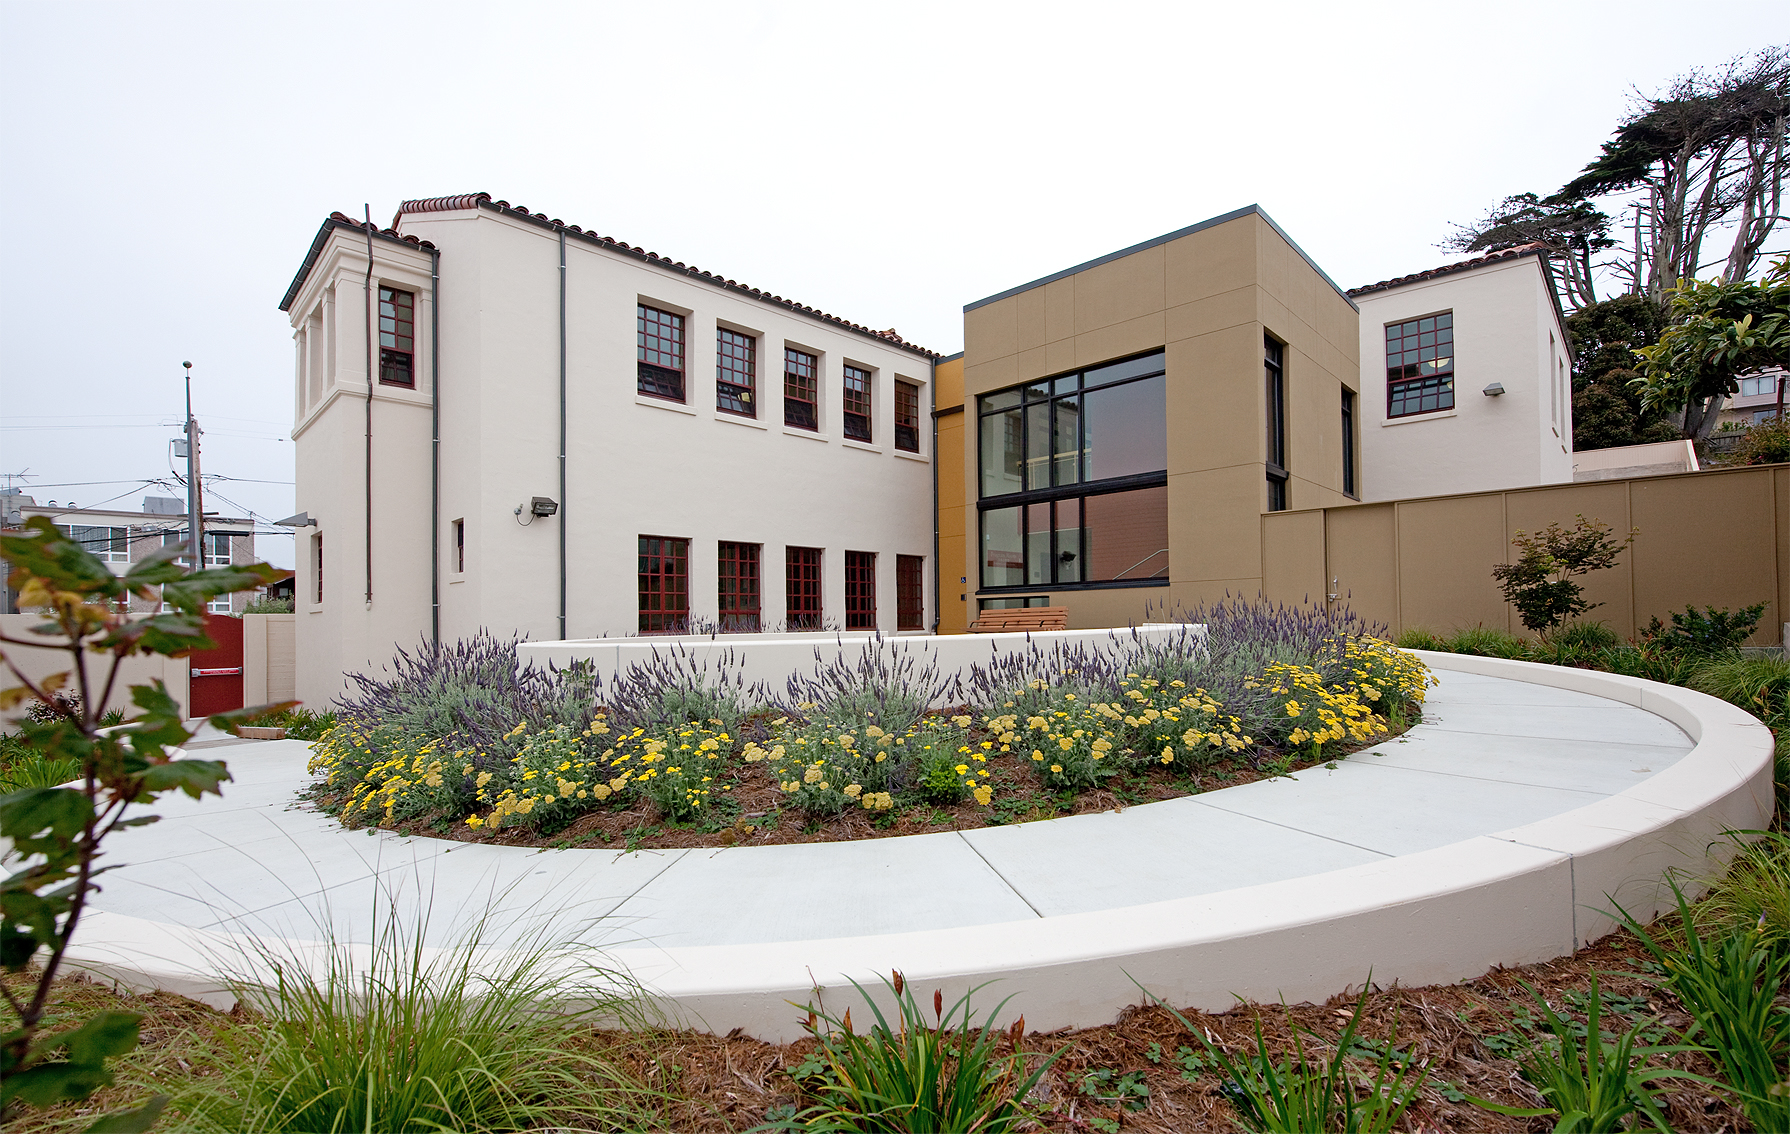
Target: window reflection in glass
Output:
[(1001, 453), (1068, 549), (1127, 535), (1038, 560), (1125, 429), (1003, 555), (1066, 445)]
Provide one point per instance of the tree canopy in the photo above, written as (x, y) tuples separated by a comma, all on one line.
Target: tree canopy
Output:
[(1718, 331)]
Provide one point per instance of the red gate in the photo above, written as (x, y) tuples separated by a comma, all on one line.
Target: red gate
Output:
[(217, 672)]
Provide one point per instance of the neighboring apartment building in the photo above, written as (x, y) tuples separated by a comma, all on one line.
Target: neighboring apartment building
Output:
[(1466, 379), (122, 537), (1119, 427), (1754, 401), (626, 445)]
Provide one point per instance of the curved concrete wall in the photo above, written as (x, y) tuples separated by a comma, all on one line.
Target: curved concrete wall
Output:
[(1517, 896)]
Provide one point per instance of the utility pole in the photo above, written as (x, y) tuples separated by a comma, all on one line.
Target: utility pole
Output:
[(195, 506)]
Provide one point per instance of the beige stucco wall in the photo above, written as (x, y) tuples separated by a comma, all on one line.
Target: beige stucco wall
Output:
[(269, 659), (635, 465), (1206, 298), (1506, 330), (1714, 538), (39, 663)]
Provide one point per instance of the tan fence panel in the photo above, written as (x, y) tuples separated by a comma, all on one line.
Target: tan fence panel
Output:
[(1713, 538)]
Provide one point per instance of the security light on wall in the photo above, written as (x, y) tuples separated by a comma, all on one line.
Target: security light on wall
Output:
[(539, 506), (1493, 390)]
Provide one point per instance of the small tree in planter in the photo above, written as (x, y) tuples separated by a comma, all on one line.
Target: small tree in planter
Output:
[(53, 834), (1540, 583)]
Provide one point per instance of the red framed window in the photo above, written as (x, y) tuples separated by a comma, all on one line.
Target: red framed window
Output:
[(1420, 365), (736, 372), (910, 592), (801, 573), (801, 389), (659, 338), (907, 416), (739, 588), (860, 590), (397, 337), (317, 567), (459, 546), (857, 403), (664, 585)]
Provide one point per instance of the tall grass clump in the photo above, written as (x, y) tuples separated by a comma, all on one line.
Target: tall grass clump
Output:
[(916, 1076), (1484, 641), (398, 1036), (1754, 893), (885, 686)]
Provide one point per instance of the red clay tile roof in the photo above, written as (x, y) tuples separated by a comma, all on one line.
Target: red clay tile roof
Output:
[(484, 200), (1516, 253)]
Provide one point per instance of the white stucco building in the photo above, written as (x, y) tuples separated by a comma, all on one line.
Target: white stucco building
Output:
[(1466, 379), (571, 437)]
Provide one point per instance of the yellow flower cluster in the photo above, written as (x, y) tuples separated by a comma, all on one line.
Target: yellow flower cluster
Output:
[(1389, 679), (1173, 725), (1327, 713), (825, 767), (394, 777)]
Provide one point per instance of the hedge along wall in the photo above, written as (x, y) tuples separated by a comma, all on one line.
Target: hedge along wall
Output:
[(1714, 538)]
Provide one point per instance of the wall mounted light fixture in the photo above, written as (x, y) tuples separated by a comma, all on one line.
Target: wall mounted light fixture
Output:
[(1493, 390)]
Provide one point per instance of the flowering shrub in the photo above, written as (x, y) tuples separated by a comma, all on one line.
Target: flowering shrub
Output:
[(394, 775), (1072, 746), (824, 769), (1318, 714), (1390, 680), (1173, 725)]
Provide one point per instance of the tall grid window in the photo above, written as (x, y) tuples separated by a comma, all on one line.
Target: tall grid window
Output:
[(857, 403), (801, 389), (113, 545), (459, 546), (1348, 449), (736, 372), (1273, 363), (801, 575), (317, 567), (1073, 479), (659, 339), (738, 591), (664, 585), (907, 417), (860, 590), (1420, 365), (217, 549), (910, 592), (397, 337)]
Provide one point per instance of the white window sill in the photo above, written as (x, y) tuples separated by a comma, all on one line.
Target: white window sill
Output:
[(458, 579), (810, 434), (737, 419), (850, 444), (664, 404), (1416, 417), (907, 456)]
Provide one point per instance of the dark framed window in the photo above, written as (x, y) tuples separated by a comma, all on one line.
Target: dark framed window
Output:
[(907, 417), (860, 590), (801, 580), (801, 389), (113, 545), (1015, 602), (659, 339), (736, 372), (217, 549), (1073, 476), (1348, 449), (459, 545), (910, 592), (317, 567), (857, 403), (397, 337), (1420, 365), (738, 590), (1274, 368), (664, 575)]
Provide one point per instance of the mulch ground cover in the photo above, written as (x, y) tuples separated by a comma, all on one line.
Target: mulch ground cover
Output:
[(1126, 1075)]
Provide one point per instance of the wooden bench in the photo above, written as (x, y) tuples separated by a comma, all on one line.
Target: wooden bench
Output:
[(1021, 619)]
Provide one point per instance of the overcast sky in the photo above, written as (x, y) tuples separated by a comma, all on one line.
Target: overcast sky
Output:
[(165, 166)]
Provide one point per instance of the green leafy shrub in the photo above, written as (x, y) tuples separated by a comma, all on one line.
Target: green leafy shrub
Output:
[(1540, 584), (267, 604), (920, 1076), (1706, 631), (1767, 443), (1586, 636)]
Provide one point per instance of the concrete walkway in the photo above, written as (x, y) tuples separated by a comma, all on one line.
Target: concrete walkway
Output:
[(1492, 754)]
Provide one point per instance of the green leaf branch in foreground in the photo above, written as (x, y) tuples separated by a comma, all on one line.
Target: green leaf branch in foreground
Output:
[(50, 837)]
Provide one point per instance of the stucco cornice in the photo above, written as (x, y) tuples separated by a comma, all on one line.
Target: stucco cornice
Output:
[(334, 222)]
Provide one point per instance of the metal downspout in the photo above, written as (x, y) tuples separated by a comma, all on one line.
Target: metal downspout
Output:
[(563, 502), (937, 594), (372, 376), (435, 446)]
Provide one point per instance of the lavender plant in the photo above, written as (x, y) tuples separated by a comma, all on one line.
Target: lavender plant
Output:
[(885, 687), (674, 688)]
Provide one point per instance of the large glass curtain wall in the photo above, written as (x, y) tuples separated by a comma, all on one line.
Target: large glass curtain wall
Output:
[(1073, 478)]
